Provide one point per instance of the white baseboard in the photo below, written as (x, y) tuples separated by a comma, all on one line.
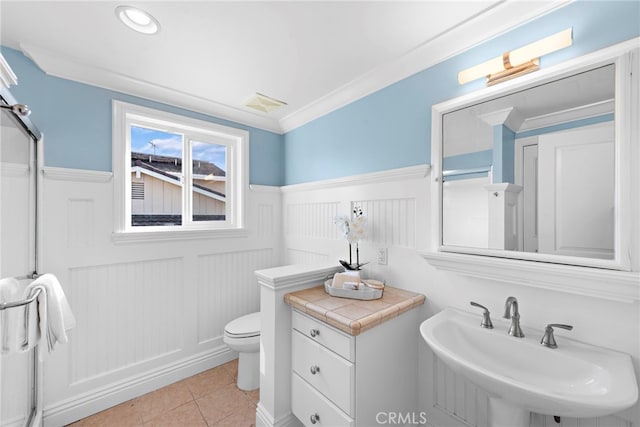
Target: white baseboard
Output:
[(14, 422), (265, 419), (81, 406)]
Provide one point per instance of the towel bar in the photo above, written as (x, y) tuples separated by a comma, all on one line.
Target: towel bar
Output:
[(5, 305), (35, 393), (31, 276)]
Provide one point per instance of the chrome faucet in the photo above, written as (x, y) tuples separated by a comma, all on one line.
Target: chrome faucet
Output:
[(548, 340), (486, 318), (511, 312)]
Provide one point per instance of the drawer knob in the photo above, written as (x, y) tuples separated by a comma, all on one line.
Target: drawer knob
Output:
[(314, 333), (314, 418), (315, 369)]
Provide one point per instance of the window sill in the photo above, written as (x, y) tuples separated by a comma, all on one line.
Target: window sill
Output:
[(124, 237)]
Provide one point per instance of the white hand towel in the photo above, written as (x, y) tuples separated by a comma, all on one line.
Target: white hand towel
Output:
[(55, 316), (10, 317), (29, 330)]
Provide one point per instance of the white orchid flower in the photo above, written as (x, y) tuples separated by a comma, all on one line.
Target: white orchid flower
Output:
[(354, 229), (342, 221)]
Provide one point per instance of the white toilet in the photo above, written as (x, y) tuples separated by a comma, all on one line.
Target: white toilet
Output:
[(243, 335)]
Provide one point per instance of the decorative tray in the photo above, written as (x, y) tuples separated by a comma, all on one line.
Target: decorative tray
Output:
[(366, 293)]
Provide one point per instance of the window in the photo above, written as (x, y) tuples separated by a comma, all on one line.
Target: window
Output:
[(175, 173)]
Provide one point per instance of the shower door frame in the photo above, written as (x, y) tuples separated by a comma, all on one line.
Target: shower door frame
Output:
[(36, 152)]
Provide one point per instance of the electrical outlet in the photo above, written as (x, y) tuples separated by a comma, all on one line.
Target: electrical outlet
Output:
[(382, 256)]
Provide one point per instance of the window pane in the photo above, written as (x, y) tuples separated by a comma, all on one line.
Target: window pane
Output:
[(209, 202), (156, 177)]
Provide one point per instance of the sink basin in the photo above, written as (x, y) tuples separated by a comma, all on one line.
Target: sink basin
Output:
[(574, 380)]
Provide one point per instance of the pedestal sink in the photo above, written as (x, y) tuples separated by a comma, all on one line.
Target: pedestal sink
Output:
[(520, 375)]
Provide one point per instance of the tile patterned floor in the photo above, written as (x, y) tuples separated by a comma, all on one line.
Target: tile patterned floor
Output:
[(208, 399)]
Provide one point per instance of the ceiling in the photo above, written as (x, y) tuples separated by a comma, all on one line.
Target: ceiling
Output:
[(212, 56)]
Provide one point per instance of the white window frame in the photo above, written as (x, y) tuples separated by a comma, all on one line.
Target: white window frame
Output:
[(236, 141)]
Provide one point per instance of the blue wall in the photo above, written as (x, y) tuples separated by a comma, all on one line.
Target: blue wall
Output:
[(391, 128), (75, 119), (504, 142), (388, 129)]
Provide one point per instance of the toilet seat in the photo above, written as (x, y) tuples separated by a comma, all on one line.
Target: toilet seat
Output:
[(244, 327), (242, 335)]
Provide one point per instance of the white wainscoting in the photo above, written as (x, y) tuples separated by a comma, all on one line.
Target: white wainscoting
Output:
[(311, 219), (153, 313), (390, 200), (465, 214), (15, 211), (298, 256), (227, 277), (17, 260), (397, 209), (457, 397), (391, 222), (148, 313), (126, 313)]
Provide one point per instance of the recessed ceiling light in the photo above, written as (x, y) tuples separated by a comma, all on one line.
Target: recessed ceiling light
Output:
[(137, 19)]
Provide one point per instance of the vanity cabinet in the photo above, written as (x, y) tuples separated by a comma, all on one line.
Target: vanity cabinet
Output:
[(354, 373), (323, 373)]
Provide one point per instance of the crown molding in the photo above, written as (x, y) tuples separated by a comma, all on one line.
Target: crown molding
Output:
[(567, 116), (57, 65), (484, 26), (7, 76)]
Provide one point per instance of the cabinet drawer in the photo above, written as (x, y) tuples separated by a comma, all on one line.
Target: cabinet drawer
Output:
[(306, 402), (324, 334), (329, 373)]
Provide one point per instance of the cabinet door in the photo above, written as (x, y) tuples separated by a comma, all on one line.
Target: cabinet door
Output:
[(324, 334), (576, 192), (327, 372), (312, 408)]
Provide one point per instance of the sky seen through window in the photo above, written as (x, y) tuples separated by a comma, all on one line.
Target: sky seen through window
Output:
[(160, 143)]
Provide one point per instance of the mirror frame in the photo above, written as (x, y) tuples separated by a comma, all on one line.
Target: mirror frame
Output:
[(509, 265)]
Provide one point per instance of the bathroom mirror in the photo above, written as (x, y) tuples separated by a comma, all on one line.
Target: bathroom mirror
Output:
[(531, 169)]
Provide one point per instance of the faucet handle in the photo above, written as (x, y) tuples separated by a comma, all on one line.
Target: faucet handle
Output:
[(486, 319), (548, 340)]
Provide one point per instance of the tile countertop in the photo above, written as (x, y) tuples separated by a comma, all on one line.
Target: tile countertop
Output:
[(353, 316)]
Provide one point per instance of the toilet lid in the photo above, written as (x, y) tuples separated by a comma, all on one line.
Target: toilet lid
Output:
[(245, 326)]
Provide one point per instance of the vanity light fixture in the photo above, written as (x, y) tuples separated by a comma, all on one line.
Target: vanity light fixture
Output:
[(137, 19), (518, 61)]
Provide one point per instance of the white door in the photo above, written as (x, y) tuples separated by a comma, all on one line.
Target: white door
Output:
[(530, 197), (576, 192)]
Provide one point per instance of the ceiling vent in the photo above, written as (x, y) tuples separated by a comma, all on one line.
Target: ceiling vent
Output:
[(264, 103)]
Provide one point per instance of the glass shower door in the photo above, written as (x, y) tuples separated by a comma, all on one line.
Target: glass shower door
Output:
[(17, 248)]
